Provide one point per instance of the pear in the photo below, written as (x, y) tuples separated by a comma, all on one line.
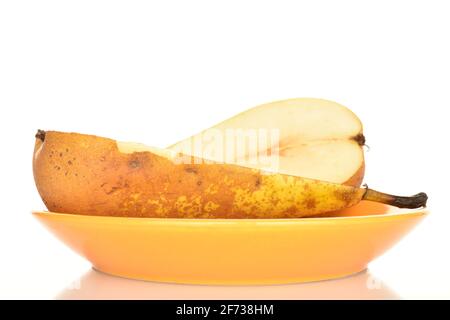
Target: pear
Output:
[(85, 174), (317, 139)]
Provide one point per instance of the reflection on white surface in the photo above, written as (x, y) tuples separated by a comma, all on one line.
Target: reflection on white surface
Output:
[(97, 285)]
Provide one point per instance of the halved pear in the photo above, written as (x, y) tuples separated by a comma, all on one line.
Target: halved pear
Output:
[(85, 174), (314, 138)]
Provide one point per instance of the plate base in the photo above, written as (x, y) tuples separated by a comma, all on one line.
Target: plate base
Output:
[(228, 282)]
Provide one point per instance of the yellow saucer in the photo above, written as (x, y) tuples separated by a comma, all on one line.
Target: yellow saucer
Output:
[(237, 251)]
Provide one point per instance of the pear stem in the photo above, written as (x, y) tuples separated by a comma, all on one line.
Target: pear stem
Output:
[(416, 201)]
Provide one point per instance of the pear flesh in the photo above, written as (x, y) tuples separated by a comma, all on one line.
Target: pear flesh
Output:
[(315, 138)]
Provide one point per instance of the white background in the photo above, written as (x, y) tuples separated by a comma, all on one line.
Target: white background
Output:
[(157, 72)]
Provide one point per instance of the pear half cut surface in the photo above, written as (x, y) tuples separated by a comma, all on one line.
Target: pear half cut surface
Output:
[(317, 139), (85, 174)]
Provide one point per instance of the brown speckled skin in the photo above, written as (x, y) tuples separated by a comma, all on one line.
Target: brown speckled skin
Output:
[(85, 174)]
